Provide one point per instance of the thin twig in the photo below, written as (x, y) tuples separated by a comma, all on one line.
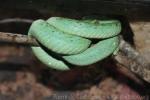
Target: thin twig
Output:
[(139, 65), (20, 20), (17, 39)]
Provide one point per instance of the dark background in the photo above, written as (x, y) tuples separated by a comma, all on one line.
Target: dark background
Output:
[(135, 9)]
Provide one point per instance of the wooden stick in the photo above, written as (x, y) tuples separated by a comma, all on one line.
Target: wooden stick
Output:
[(133, 60), (17, 39)]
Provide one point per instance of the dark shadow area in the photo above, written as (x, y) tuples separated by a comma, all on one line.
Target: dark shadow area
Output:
[(104, 69), (11, 66), (132, 9), (76, 79), (8, 71), (126, 32)]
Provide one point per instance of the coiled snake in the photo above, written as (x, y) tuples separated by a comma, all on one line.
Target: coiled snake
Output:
[(71, 40)]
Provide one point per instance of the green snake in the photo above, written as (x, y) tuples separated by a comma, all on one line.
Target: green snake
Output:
[(72, 41)]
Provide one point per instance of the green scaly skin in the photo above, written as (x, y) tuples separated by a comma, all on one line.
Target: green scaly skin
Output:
[(72, 38), (95, 53), (88, 29), (57, 40)]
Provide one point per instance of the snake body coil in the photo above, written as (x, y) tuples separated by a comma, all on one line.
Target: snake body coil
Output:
[(71, 40)]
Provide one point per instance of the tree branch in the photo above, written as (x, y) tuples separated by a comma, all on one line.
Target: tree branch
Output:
[(127, 56), (133, 60), (17, 39), (20, 20)]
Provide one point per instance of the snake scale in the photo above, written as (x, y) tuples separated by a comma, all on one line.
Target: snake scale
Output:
[(72, 41)]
